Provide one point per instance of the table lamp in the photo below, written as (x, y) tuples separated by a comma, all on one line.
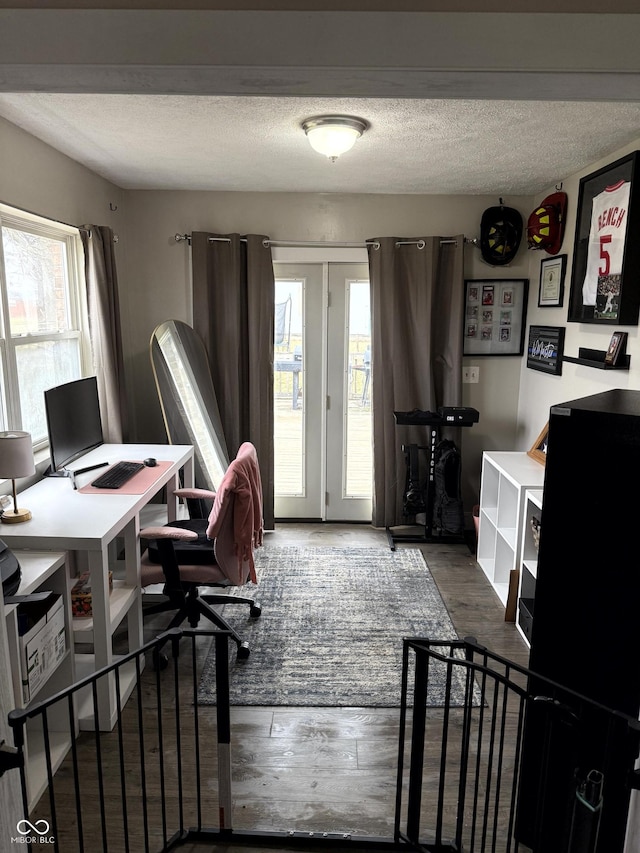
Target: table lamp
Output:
[(16, 460)]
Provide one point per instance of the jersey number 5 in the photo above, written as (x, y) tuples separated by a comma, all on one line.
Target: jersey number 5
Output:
[(604, 268)]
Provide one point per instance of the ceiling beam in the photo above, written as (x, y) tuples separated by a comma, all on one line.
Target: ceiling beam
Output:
[(330, 54)]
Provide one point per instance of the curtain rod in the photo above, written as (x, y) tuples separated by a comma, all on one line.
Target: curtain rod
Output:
[(321, 243)]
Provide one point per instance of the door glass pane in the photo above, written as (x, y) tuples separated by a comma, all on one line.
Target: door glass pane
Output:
[(359, 450), (43, 365), (288, 384), (36, 274)]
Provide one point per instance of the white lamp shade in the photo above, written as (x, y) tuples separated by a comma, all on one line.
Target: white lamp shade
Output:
[(16, 455), (333, 135)]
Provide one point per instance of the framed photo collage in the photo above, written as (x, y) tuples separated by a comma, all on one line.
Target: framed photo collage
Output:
[(494, 316)]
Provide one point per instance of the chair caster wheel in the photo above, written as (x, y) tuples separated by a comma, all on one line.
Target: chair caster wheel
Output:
[(243, 651), (255, 610), (160, 661)]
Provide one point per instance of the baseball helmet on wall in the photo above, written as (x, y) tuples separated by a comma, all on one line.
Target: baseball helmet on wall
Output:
[(500, 234), (545, 228)]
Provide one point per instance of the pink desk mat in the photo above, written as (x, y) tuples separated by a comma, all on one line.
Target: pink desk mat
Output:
[(137, 485)]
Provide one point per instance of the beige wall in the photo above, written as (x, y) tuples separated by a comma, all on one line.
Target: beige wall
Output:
[(154, 273), (36, 177)]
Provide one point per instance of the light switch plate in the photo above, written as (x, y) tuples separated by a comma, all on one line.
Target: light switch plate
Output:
[(470, 375)]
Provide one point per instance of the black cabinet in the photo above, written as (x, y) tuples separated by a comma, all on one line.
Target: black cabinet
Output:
[(585, 634)]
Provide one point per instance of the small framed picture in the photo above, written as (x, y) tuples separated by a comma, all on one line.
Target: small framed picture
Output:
[(545, 349), (617, 346), (495, 316), (552, 273), (539, 449)]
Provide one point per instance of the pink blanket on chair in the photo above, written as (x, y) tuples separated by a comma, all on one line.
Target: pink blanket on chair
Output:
[(241, 481)]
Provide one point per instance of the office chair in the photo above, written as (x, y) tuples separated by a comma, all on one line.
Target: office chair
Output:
[(218, 551)]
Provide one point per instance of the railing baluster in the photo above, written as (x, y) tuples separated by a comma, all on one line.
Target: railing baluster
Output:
[(160, 729), (196, 733), (96, 718), (141, 749), (224, 732), (444, 746), (53, 824), (74, 764), (515, 785), (466, 740), (418, 728), (500, 762), (478, 763), (402, 739), (123, 784), (176, 693)]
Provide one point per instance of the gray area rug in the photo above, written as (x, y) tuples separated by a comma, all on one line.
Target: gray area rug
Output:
[(331, 630)]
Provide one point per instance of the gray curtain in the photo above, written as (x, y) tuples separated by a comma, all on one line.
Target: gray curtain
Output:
[(233, 312), (417, 298), (105, 329)]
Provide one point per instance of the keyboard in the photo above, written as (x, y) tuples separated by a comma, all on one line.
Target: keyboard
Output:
[(117, 475)]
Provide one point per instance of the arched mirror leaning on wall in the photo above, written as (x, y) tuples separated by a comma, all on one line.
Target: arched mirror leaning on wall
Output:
[(188, 399)]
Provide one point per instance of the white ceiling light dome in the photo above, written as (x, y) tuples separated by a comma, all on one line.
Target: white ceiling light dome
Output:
[(333, 135)]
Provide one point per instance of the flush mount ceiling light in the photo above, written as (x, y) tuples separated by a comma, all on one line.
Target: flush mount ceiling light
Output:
[(333, 135)]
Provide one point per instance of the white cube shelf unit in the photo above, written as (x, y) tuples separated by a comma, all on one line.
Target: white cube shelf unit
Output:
[(43, 571), (506, 476)]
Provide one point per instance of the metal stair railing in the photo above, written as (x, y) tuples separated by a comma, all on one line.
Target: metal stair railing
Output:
[(478, 746), (139, 786), (496, 742)]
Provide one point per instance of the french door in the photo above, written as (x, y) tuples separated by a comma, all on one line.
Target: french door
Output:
[(322, 391)]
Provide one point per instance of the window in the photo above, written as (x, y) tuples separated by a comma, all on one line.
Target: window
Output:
[(43, 325)]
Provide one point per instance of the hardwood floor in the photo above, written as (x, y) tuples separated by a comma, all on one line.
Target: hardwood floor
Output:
[(333, 770)]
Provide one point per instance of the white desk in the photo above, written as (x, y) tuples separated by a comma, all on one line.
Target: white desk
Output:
[(64, 519)]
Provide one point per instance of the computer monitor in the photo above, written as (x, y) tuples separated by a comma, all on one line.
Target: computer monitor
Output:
[(73, 420)]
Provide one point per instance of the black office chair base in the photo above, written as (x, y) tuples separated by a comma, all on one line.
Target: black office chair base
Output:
[(255, 609), (193, 607), (161, 660)]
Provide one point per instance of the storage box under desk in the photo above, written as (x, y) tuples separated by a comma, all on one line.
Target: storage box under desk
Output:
[(42, 641)]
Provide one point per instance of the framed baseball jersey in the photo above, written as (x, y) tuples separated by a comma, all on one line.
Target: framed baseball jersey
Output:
[(605, 278)]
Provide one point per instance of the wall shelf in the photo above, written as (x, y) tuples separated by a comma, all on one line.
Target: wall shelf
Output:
[(595, 358)]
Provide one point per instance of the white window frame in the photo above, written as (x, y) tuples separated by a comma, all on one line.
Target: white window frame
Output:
[(78, 315)]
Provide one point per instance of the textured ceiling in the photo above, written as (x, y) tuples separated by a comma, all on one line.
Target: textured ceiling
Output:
[(251, 143), (167, 98)]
